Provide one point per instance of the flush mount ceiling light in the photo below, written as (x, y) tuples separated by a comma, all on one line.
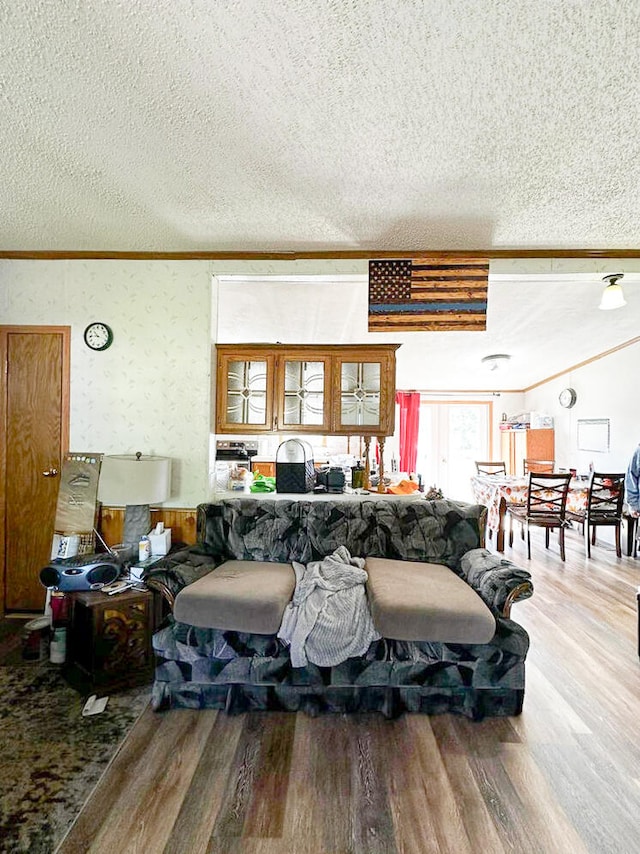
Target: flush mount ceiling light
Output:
[(612, 295), (495, 361)]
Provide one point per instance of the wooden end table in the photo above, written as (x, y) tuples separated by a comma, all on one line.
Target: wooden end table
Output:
[(109, 639)]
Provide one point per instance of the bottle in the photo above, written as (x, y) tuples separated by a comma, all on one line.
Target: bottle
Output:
[(58, 646), (357, 476), (144, 549)]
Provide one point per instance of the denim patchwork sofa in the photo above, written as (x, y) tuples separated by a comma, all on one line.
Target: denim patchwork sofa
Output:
[(237, 663)]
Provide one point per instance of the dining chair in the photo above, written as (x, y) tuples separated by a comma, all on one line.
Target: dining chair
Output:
[(546, 507), (538, 466), (604, 507), (491, 468)]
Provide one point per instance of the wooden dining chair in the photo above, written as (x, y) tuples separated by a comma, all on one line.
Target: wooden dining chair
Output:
[(538, 466), (490, 468), (546, 507), (604, 507)]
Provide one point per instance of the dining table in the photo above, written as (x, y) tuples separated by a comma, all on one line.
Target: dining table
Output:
[(497, 491)]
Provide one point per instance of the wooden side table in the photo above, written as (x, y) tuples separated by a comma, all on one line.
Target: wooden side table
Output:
[(109, 639)]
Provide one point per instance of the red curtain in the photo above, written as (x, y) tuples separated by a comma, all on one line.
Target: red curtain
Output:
[(409, 402)]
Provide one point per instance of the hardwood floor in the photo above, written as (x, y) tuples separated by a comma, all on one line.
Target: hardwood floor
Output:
[(562, 777)]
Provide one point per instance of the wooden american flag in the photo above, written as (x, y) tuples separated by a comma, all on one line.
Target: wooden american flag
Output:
[(428, 295)]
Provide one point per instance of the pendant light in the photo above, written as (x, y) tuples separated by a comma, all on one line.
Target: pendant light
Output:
[(612, 295)]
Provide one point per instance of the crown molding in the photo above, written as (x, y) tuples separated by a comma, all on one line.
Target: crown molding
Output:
[(439, 255)]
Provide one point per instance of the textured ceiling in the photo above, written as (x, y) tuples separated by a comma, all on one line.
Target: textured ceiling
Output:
[(186, 125)]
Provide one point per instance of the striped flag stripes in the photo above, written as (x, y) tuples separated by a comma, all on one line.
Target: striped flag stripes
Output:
[(427, 295)]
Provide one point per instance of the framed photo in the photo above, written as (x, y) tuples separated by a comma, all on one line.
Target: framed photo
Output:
[(593, 435)]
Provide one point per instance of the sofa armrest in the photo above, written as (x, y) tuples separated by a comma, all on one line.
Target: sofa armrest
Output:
[(497, 580), (169, 575)]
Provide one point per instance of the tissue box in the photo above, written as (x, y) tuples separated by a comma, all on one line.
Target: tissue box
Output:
[(160, 543)]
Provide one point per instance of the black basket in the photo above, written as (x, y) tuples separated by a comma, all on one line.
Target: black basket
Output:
[(295, 477)]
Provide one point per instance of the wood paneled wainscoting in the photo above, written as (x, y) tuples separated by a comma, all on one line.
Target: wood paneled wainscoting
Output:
[(182, 522)]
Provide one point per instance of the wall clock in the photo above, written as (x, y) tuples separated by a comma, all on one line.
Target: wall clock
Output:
[(98, 336), (567, 397)]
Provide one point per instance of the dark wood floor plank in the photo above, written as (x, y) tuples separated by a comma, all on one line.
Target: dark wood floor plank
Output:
[(143, 814), (427, 811), (194, 825), (112, 784), (244, 768), (258, 779), (318, 811), (477, 820), (371, 817), (265, 817)]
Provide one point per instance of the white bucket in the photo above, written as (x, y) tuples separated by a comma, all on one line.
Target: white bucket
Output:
[(58, 646)]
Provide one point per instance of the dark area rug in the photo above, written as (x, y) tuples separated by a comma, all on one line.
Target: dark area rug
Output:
[(51, 757)]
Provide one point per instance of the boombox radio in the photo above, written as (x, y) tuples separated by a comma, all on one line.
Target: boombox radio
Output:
[(84, 572)]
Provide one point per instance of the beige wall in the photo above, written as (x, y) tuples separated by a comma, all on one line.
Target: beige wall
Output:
[(606, 388), (150, 390)]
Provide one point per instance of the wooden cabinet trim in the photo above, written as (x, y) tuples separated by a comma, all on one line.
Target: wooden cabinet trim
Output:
[(333, 355)]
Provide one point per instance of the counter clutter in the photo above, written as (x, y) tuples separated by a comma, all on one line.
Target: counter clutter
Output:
[(327, 483), (355, 495)]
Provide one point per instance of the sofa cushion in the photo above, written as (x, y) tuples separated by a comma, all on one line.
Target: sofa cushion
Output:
[(239, 595), (415, 601)]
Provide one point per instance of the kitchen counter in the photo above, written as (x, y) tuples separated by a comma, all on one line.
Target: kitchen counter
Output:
[(314, 496)]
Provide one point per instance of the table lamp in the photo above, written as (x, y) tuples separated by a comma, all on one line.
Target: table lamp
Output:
[(135, 482)]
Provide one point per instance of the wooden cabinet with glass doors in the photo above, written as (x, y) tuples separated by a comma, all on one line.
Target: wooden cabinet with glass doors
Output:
[(320, 389)]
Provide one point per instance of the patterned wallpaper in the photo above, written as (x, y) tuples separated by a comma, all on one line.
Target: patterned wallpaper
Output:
[(150, 390)]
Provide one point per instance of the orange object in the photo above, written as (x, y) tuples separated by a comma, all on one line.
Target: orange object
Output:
[(404, 487)]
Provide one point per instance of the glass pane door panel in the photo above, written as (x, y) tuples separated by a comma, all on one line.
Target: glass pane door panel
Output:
[(451, 437), (247, 392), (303, 392), (360, 393)]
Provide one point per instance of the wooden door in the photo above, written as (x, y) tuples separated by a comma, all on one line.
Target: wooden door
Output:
[(34, 410)]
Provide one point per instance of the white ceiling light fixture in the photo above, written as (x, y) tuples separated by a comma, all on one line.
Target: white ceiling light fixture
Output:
[(612, 295), (495, 361)]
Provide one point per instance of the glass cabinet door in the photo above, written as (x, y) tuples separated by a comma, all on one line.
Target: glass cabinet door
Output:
[(245, 393), (364, 392), (303, 394), (359, 394)]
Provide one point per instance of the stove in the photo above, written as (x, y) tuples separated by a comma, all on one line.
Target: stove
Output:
[(232, 451)]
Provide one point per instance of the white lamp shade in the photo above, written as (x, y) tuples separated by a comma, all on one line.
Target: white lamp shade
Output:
[(125, 479), (612, 297)]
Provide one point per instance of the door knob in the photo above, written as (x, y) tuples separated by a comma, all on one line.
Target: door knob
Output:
[(50, 473)]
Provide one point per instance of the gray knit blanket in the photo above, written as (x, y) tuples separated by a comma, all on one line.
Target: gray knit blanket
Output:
[(328, 620)]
